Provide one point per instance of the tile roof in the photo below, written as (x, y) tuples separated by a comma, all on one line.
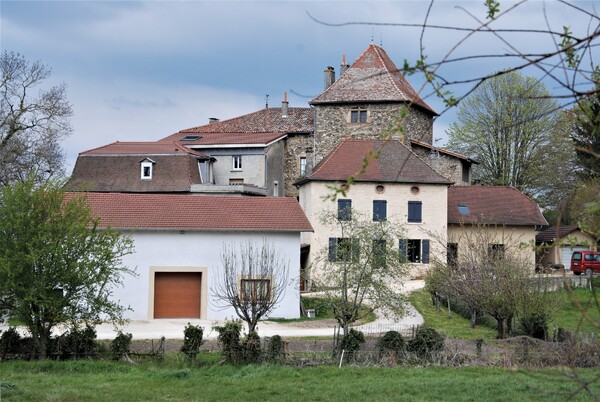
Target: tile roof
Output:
[(268, 120), (442, 150), (396, 163), (227, 138), (494, 205), (195, 212), (372, 78), (143, 148), (121, 173), (553, 233)]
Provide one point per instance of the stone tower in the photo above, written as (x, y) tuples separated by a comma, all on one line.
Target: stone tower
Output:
[(366, 102)]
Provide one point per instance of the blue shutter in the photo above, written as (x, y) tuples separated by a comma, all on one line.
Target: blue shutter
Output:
[(344, 210), (332, 249), (403, 249), (425, 250), (379, 210), (415, 211)]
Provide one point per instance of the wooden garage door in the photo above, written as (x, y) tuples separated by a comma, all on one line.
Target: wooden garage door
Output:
[(177, 294)]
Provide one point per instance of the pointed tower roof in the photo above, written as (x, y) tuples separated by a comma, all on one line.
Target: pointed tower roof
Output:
[(372, 78)]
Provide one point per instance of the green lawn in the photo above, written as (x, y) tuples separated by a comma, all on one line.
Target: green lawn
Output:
[(569, 316), (111, 381), (453, 325)]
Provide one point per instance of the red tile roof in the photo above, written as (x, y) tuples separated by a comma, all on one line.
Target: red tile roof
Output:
[(553, 233), (442, 150), (372, 78), (195, 212), (268, 120), (494, 205), (227, 138), (396, 163), (143, 148)]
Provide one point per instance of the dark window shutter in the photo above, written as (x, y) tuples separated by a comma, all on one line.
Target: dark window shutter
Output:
[(425, 251), (415, 211), (403, 249), (355, 250), (332, 248), (344, 210), (379, 210)]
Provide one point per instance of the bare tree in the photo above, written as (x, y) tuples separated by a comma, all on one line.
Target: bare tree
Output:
[(362, 270), (254, 280), (32, 120)]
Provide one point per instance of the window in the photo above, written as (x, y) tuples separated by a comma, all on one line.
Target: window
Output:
[(358, 116), (343, 249), (237, 162), (415, 250), (378, 258), (191, 138), (452, 254), (496, 251), (465, 171), (345, 210), (236, 182), (252, 290), (146, 169), (463, 210), (302, 165), (379, 210), (415, 212)]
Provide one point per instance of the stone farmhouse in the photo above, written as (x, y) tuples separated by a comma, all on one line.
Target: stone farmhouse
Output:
[(283, 158)]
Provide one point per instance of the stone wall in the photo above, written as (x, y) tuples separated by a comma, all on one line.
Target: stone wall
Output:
[(448, 166), (296, 146), (333, 124)]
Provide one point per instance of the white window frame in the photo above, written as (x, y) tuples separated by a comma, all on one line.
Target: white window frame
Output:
[(302, 165), (143, 166), (236, 162)]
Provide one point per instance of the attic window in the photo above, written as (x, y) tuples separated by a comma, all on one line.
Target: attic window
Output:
[(191, 138), (463, 210), (358, 116), (146, 169)]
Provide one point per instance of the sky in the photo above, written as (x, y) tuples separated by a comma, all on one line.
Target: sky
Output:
[(142, 70)]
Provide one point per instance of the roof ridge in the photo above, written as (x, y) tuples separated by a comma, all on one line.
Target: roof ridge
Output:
[(388, 72), (102, 146)]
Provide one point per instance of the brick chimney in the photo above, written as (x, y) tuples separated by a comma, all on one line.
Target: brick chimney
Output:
[(329, 76), (284, 106), (344, 66)]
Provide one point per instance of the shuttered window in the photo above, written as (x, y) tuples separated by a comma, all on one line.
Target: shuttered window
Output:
[(379, 210), (415, 250), (415, 211), (345, 210)]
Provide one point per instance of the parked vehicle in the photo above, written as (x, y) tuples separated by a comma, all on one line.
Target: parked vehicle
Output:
[(587, 262)]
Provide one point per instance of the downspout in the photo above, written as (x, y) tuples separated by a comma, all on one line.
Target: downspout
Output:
[(314, 137)]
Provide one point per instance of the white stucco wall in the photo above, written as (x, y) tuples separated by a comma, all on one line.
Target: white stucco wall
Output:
[(434, 214), (199, 251)]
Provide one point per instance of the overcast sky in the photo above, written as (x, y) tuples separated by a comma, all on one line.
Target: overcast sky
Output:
[(139, 71)]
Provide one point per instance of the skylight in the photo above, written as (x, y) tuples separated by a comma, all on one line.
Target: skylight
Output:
[(463, 210), (191, 138)]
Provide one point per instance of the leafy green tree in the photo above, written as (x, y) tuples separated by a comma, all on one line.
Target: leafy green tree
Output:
[(33, 120), (56, 265), (509, 125), (363, 270)]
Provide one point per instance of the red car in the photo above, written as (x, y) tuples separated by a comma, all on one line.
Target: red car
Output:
[(587, 262)]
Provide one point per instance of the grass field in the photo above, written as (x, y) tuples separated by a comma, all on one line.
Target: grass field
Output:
[(112, 381), (567, 315)]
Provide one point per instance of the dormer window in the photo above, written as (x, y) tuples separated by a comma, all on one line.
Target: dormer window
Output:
[(358, 116), (146, 165)]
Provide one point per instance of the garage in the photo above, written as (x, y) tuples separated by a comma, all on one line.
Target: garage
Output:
[(177, 294), (566, 252)]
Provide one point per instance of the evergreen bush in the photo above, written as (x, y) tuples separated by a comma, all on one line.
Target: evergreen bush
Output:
[(426, 342), (192, 340), (121, 345)]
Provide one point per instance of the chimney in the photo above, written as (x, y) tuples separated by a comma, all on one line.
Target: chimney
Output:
[(329, 76), (344, 65), (284, 106), (212, 120)]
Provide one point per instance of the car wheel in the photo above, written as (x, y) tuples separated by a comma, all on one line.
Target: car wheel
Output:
[(576, 273), (588, 272)]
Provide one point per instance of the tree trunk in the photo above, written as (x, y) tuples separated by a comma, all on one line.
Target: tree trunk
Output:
[(473, 318), (252, 326), (501, 327)]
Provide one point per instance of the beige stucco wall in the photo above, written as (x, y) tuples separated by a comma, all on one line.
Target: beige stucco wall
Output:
[(550, 255), (517, 239), (433, 225)]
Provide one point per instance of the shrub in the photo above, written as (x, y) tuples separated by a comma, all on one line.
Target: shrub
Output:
[(276, 349), (192, 340), (229, 339), (120, 346), (392, 341), (10, 343), (351, 343), (76, 343), (252, 349), (426, 342)]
